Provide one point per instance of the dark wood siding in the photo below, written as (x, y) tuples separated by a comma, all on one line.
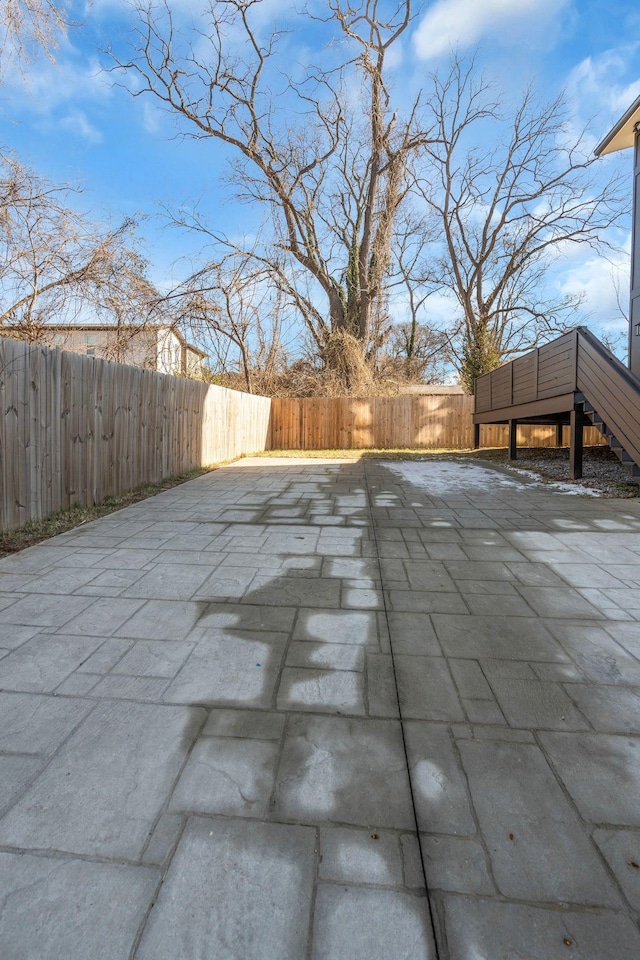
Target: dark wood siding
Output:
[(501, 386), (634, 312), (575, 362), (483, 393), (549, 371), (525, 378), (557, 367)]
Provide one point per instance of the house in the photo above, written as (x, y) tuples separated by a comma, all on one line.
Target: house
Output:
[(625, 135), (152, 346)]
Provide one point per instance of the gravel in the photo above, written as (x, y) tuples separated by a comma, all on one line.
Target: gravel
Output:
[(602, 471)]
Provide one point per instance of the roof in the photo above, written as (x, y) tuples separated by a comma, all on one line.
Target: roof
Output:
[(622, 134), (128, 327), (432, 390)]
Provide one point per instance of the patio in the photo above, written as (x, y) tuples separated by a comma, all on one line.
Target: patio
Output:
[(333, 710)]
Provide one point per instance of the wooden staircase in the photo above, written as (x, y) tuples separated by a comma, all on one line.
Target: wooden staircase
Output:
[(610, 397), (625, 458)]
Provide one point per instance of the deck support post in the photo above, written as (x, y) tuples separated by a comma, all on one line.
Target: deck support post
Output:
[(476, 436), (577, 442), (559, 437), (513, 439)]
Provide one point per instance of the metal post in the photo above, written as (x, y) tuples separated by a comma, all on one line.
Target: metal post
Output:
[(576, 442), (476, 436), (559, 436), (513, 439)]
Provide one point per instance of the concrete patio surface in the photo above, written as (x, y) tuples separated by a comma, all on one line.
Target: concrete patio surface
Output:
[(325, 710)]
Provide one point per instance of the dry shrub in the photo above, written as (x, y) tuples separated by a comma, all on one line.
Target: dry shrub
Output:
[(346, 368), (303, 379), (345, 372)]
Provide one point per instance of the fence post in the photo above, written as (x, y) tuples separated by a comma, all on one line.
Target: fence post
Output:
[(577, 442), (513, 439)]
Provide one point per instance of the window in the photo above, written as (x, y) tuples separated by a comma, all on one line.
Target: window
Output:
[(90, 343)]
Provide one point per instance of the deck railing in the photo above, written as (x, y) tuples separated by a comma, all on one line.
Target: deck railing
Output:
[(548, 371)]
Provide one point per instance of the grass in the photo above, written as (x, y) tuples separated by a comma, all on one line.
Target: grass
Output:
[(38, 530), (398, 453)]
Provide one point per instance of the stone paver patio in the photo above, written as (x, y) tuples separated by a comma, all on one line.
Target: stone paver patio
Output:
[(325, 710)]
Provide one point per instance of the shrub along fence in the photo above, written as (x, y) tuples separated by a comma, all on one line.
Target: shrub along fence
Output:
[(75, 429)]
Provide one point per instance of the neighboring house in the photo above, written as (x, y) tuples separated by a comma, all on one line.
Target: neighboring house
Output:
[(153, 346)]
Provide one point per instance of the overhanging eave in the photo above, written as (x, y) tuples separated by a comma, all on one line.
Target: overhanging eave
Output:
[(622, 134)]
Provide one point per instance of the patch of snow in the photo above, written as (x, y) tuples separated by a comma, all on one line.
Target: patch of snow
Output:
[(446, 478), (569, 489)]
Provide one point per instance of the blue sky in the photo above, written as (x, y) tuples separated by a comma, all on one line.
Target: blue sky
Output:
[(72, 122)]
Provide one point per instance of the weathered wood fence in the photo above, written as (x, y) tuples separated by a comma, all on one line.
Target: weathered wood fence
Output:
[(75, 429), (413, 422)]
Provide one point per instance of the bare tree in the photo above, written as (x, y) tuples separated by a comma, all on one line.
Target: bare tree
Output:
[(29, 26), (230, 307), (419, 351), (327, 156), (57, 266), (505, 212)]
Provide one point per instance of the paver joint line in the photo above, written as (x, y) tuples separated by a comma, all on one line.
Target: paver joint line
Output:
[(404, 742)]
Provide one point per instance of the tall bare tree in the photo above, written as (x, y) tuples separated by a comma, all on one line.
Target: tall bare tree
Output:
[(57, 266), (30, 26), (328, 155), (506, 212)]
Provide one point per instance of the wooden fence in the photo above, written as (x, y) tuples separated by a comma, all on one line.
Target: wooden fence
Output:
[(74, 429), (413, 422)]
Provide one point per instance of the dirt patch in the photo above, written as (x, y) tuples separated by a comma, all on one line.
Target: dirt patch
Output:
[(602, 470)]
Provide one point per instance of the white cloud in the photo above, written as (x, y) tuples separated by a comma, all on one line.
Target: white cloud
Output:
[(48, 86), (604, 283), (452, 23), (602, 82), (153, 119), (440, 309), (76, 123), (599, 90)]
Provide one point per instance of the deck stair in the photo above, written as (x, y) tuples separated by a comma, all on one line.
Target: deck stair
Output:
[(625, 458), (574, 379)]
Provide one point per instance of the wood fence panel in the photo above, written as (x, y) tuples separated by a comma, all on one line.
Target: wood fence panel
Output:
[(76, 429), (386, 423)]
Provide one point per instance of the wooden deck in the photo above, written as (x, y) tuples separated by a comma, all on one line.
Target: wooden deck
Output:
[(575, 380)]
